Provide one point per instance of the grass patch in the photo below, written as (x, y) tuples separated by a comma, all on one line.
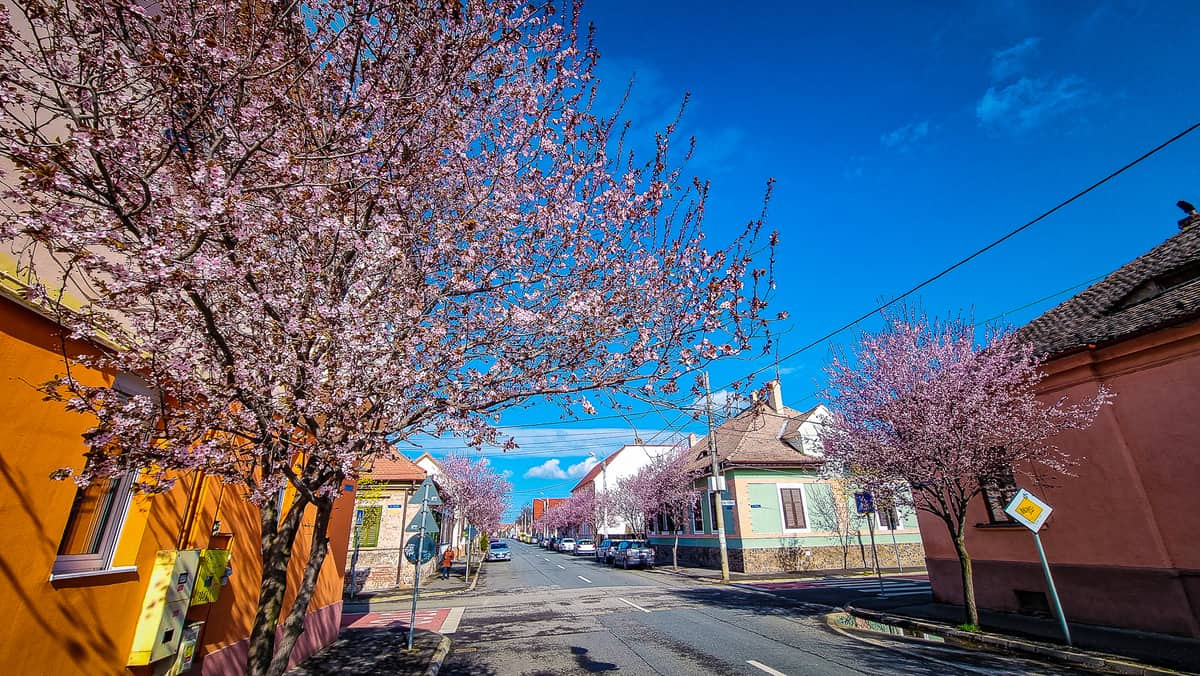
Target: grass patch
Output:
[(973, 628)]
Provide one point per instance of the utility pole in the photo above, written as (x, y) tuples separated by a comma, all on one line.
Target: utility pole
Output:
[(718, 482)]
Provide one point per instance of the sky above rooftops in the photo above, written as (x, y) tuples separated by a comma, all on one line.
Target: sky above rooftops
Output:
[(902, 139)]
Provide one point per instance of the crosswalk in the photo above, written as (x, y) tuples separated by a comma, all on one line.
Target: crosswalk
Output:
[(892, 585), (442, 620)]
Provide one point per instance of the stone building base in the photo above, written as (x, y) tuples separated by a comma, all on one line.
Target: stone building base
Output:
[(798, 558)]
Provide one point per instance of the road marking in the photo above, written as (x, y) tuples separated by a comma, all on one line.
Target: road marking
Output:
[(769, 670), (545, 557), (584, 579), (451, 624), (630, 603), (561, 567)]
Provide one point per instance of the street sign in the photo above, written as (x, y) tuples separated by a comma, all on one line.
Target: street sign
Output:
[(427, 493), (728, 503), (423, 519), (864, 502), (428, 548), (1028, 510)]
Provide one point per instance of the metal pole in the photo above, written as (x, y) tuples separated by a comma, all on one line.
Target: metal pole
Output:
[(874, 551), (412, 619), (354, 562), (1062, 619), (718, 509), (896, 548), (604, 481)]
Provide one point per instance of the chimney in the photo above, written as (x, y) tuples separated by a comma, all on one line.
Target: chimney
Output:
[(692, 439), (774, 396), (1192, 219)]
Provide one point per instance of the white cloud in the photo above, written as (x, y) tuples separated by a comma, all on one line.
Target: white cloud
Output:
[(1009, 62), (582, 467), (906, 136), (1029, 102), (546, 470), (507, 474)]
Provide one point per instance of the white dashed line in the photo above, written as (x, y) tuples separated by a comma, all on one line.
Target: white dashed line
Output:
[(632, 604), (584, 579), (769, 670), (561, 567)]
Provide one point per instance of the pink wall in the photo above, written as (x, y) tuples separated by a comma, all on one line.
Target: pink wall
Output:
[(1124, 539)]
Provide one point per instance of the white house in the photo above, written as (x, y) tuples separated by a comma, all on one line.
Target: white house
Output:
[(602, 478)]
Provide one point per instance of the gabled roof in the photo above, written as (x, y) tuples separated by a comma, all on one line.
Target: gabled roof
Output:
[(1157, 289), (595, 470), (395, 467), (757, 437), (425, 456)]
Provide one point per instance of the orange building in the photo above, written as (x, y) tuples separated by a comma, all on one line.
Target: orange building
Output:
[(93, 581), (1121, 541)]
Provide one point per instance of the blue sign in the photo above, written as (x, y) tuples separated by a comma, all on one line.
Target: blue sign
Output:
[(864, 503)]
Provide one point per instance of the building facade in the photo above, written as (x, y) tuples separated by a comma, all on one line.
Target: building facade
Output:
[(81, 567), (604, 477), (780, 513), (383, 510), (1121, 539)]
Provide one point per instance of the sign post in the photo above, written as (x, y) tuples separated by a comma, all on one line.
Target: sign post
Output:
[(1031, 512), (422, 524), (865, 504)]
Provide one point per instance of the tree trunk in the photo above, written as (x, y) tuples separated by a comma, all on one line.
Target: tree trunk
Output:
[(277, 540), (293, 626), (971, 612), (675, 552)]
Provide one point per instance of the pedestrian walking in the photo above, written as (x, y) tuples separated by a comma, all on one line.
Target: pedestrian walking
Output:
[(447, 561)]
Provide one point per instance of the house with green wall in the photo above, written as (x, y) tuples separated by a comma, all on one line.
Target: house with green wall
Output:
[(780, 512)]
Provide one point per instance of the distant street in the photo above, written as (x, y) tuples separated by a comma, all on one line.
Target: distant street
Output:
[(550, 613)]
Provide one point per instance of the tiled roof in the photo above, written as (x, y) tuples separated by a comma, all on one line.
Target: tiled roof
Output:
[(1157, 289), (757, 438), (395, 467)]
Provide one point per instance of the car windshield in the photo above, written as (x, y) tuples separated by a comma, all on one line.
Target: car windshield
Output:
[(585, 542), (499, 545), (567, 540)]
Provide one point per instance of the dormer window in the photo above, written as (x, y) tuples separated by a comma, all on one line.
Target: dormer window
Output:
[(1158, 285)]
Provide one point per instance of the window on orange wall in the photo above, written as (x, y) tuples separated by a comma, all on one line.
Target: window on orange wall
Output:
[(97, 513)]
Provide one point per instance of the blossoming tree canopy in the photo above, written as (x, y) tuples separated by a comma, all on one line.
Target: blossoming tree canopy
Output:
[(314, 229), (919, 404)]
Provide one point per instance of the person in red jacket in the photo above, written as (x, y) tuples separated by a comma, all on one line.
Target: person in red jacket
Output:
[(447, 561)]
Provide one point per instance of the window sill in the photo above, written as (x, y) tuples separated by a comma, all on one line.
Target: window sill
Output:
[(1000, 526), (120, 570)]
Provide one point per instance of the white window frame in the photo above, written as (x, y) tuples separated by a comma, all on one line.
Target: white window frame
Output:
[(80, 565), (881, 525), (73, 565), (783, 528)]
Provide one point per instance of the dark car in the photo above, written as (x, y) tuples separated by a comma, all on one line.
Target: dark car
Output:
[(633, 553)]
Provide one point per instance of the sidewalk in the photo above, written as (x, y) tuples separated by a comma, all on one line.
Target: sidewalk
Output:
[(714, 575), (1171, 652), (377, 652), (432, 588)]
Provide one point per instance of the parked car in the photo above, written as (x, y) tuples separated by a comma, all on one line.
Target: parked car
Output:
[(604, 550), (498, 551), (633, 553), (585, 547), (565, 545)]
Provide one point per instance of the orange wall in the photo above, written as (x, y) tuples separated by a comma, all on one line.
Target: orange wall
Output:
[(86, 625)]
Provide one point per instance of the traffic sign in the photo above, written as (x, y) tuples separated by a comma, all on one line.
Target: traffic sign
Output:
[(427, 493), (423, 520), (864, 502), (1028, 510), (428, 547)]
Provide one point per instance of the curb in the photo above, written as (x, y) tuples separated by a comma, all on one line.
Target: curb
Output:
[(439, 656), (997, 641)]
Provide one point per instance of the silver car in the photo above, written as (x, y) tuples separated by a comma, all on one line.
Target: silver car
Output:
[(498, 551), (565, 545)]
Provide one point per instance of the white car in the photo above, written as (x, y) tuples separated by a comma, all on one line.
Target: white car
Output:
[(498, 551), (585, 547), (565, 545)]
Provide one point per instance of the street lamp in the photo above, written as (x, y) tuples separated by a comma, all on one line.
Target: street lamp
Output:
[(604, 485)]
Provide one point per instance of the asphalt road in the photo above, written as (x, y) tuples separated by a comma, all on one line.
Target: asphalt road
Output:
[(550, 613)]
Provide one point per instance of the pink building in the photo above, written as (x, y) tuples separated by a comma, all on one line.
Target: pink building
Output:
[(1124, 538)]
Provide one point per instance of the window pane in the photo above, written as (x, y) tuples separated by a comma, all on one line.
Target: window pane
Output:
[(90, 514)]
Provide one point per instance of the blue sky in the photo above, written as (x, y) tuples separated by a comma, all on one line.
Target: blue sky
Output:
[(902, 139)]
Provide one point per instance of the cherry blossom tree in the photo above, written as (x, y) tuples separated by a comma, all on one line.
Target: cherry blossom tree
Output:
[(666, 487), (472, 489), (920, 404), (318, 229)]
